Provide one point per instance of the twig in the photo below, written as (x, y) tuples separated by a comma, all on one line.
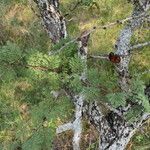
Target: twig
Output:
[(99, 56), (139, 45), (42, 68), (105, 56), (96, 28)]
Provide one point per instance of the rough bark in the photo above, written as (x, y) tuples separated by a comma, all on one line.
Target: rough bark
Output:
[(53, 21), (123, 42)]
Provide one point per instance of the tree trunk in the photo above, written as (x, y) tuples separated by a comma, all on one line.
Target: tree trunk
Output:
[(53, 21), (115, 131)]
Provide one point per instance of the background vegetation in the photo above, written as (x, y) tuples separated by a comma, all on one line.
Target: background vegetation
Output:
[(29, 114)]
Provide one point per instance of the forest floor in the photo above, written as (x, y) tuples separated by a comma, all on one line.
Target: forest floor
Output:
[(20, 92)]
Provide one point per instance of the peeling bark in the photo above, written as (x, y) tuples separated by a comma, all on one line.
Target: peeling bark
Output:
[(53, 21)]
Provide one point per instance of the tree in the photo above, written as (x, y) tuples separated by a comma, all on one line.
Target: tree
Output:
[(53, 21), (115, 129), (39, 90)]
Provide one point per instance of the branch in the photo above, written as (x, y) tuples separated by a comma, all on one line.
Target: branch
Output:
[(123, 46), (96, 28), (144, 117), (106, 56), (99, 56), (41, 68), (78, 99), (139, 45), (65, 127)]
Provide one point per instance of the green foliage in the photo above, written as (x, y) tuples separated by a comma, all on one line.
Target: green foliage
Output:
[(87, 2), (65, 55), (7, 74), (142, 138), (39, 130), (117, 99), (38, 140), (6, 2), (133, 114), (137, 94), (40, 59), (10, 53), (91, 93), (93, 146), (76, 84), (28, 74), (37, 77), (44, 118), (68, 50), (7, 115), (94, 76), (76, 65)]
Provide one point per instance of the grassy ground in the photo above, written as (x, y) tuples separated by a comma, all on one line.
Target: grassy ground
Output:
[(19, 24)]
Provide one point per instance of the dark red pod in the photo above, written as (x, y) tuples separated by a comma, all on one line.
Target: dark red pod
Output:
[(114, 58)]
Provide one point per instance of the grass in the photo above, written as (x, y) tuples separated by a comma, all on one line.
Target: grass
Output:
[(20, 25)]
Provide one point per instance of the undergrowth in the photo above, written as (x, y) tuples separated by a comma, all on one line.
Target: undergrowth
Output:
[(29, 114)]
